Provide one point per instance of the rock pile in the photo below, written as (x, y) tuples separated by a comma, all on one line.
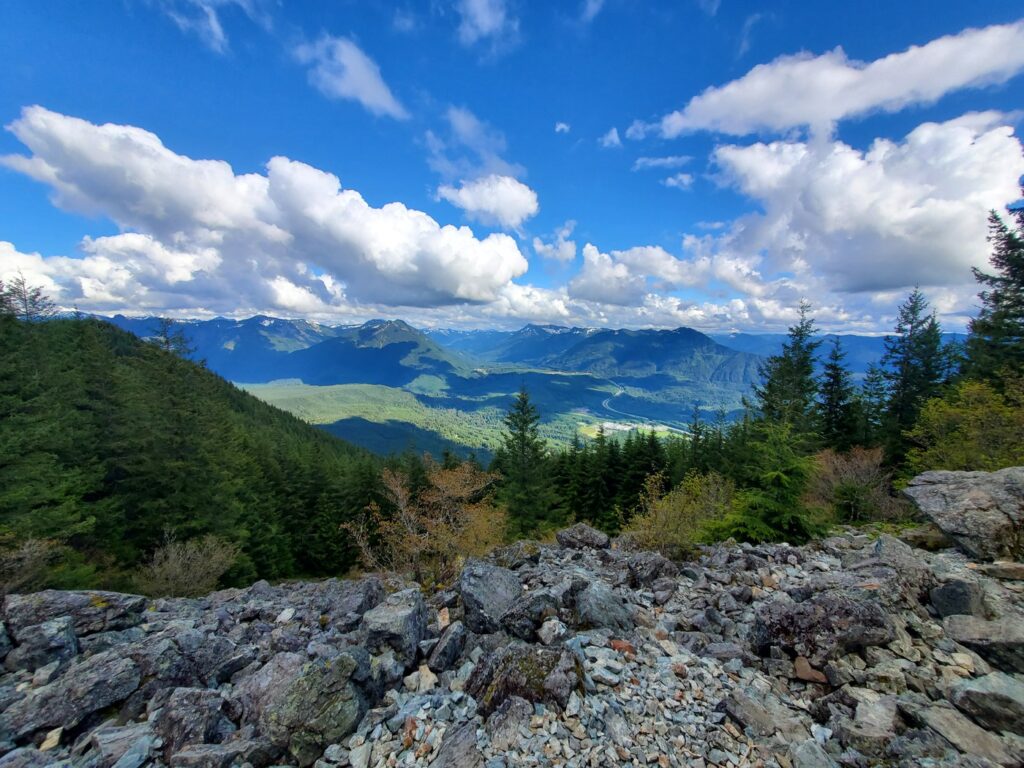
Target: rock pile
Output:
[(852, 651)]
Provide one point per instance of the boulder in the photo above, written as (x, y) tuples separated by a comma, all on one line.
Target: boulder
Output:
[(41, 644), (191, 716), (399, 622), (598, 606), (963, 734), (449, 647), (92, 611), (516, 554), (582, 536), (826, 625), (645, 568), (504, 723), (982, 512), (230, 753), (26, 757), (532, 673), (459, 749), (86, 687), (1000, 642), (111, 743), (487, 592), (995, 701), (958, 597), (318, 708), (527, 612)]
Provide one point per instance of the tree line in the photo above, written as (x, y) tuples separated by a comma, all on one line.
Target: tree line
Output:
[(809, 448)]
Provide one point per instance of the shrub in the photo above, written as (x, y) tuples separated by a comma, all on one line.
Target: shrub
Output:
[(673, 523), (854, 486), (24, 567), (974, 427), (429, 533), (186, 568)]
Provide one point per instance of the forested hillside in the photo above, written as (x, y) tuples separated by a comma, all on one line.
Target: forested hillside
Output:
[(106, 442)]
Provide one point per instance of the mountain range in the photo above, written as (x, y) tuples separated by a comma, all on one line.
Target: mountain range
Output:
[(389, 386)]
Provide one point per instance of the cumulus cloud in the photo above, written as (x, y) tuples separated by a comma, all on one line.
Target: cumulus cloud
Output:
[(899, 214), (671, 161), (561, 248), (198, 235), (803, 90), (625, 277), (340, 70), (493, 199), (486, 20), (562, 127), (610, 139), (678, 181)]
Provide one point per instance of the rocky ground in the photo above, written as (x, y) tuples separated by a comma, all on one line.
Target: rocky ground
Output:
[(855, 651)]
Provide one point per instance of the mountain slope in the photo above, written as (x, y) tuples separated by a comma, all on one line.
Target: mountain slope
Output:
[(106, 440)]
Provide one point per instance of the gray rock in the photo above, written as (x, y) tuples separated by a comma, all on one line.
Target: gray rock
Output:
[(963, 734), (995, 701), (449, 647), (5, 641), (124, 746), (1000, 641), (599, 606), (231, 753), (459, 749), (516, 554), (827, 625), (399, 622), (582, 536), (41, 644), (504, 723), (318, 708), (982, 512), (190, 716), (536, 674), (91, 611), (551, 631), (86, 687), (26, 757), (958, 597), (764, 715), (487, 592), (527, 612), (647, 567), (809, 754)]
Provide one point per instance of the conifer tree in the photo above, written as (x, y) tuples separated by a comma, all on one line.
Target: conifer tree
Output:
[(522, 460), (788, 389), (995, 346), (915, 366), (837, 406)]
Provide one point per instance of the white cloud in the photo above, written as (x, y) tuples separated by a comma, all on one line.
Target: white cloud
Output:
[(199, 236), (803, 90), (590, 10), (470, 148), (493, 199), (678, 181), (486, 20), (710, 7), (203, 18), (671, 161), (340, 70), (561, 248), (610, 139), (893, 216), (625, 277), (562, 127)]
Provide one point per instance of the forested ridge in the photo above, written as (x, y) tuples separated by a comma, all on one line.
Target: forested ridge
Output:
[(108, 442), (115, 450)]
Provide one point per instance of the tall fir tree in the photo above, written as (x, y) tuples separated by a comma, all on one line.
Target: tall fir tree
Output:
[(788, 388), (522, 461), (995, 346), (837, 406), (915, 366)]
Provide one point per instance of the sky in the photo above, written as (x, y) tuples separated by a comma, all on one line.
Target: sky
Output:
[(490, 163)]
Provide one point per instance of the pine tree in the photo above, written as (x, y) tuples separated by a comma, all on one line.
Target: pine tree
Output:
[(522, 460), (995, 346), (837, 415), (788, 389), (915, 366), (28, 302)]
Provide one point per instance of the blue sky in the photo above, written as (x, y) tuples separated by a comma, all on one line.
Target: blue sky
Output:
[(488, 163)]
